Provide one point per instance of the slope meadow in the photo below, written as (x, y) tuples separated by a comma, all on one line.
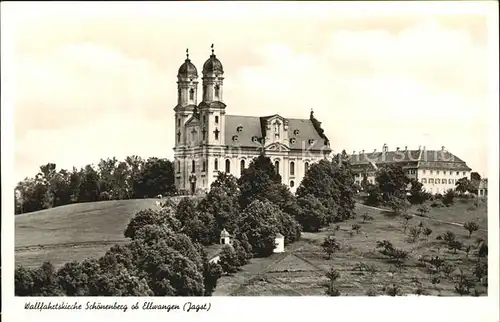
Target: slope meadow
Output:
[(301, 269), (73, 232)]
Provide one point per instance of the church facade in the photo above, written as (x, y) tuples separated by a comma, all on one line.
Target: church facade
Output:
[(209, 140)]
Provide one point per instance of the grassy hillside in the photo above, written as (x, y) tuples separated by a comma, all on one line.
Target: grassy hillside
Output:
[(73, 232)]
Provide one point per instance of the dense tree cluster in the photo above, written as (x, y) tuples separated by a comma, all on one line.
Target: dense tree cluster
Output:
[(109, 180), (332, 184)]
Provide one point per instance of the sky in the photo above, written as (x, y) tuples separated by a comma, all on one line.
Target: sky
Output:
[(98, 80)]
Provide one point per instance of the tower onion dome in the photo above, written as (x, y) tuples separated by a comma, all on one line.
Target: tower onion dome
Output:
[(213, 65), (187, 69)]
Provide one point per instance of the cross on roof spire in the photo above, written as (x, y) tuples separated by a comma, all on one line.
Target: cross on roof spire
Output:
[(212, 49), (187, 53)]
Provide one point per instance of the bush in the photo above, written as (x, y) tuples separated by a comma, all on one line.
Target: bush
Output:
[(471, 227), (228, 261), (436, 204), (330, 245), (413, 234), (366, 217), (392, 290), (356, 228), (422, 210)]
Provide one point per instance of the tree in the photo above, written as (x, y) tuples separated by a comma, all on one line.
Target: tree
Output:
[(464, 185), (332, 183), (413, 234), (151, 217), (229, 260), (417, 195), (169, 271), (41, 281), (330, 245), (471, 227), (211, 274), (332, 275), (241, 253), (89, 186), (448, 197), (366, 217), (310, 214), (201, 228), (259, 221), (398, 205), (288, 227), (423, 210), (449, 237), (186, 209), (392, 182), (455, 245), (222, 202), (427, 232), (257, 179), (155, 177), (374, 197)]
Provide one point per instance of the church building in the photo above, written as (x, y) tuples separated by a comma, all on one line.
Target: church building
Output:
[(208, 139)]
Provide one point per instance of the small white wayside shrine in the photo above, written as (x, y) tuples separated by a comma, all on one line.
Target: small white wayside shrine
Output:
[(225, 237), (279, 240)]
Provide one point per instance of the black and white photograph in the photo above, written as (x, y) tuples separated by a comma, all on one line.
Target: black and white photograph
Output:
[(239, 149)]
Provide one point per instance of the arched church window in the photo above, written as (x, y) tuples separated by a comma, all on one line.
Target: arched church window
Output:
[(216, 164), (292, 168), (216, 119), (217, 89), (191, 94), (277, 166), (292, 184), (178, 166), (178, 122), (193, 166), (306, 166), (228, 166), (204, 166), (242, 166)]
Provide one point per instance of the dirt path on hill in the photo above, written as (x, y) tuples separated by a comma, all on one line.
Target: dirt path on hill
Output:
[(428, 218)]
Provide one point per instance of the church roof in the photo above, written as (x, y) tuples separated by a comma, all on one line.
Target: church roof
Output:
[(251, 128), (278, 235), (213, 65), (439, 159), (224, 233), (187, 69)]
